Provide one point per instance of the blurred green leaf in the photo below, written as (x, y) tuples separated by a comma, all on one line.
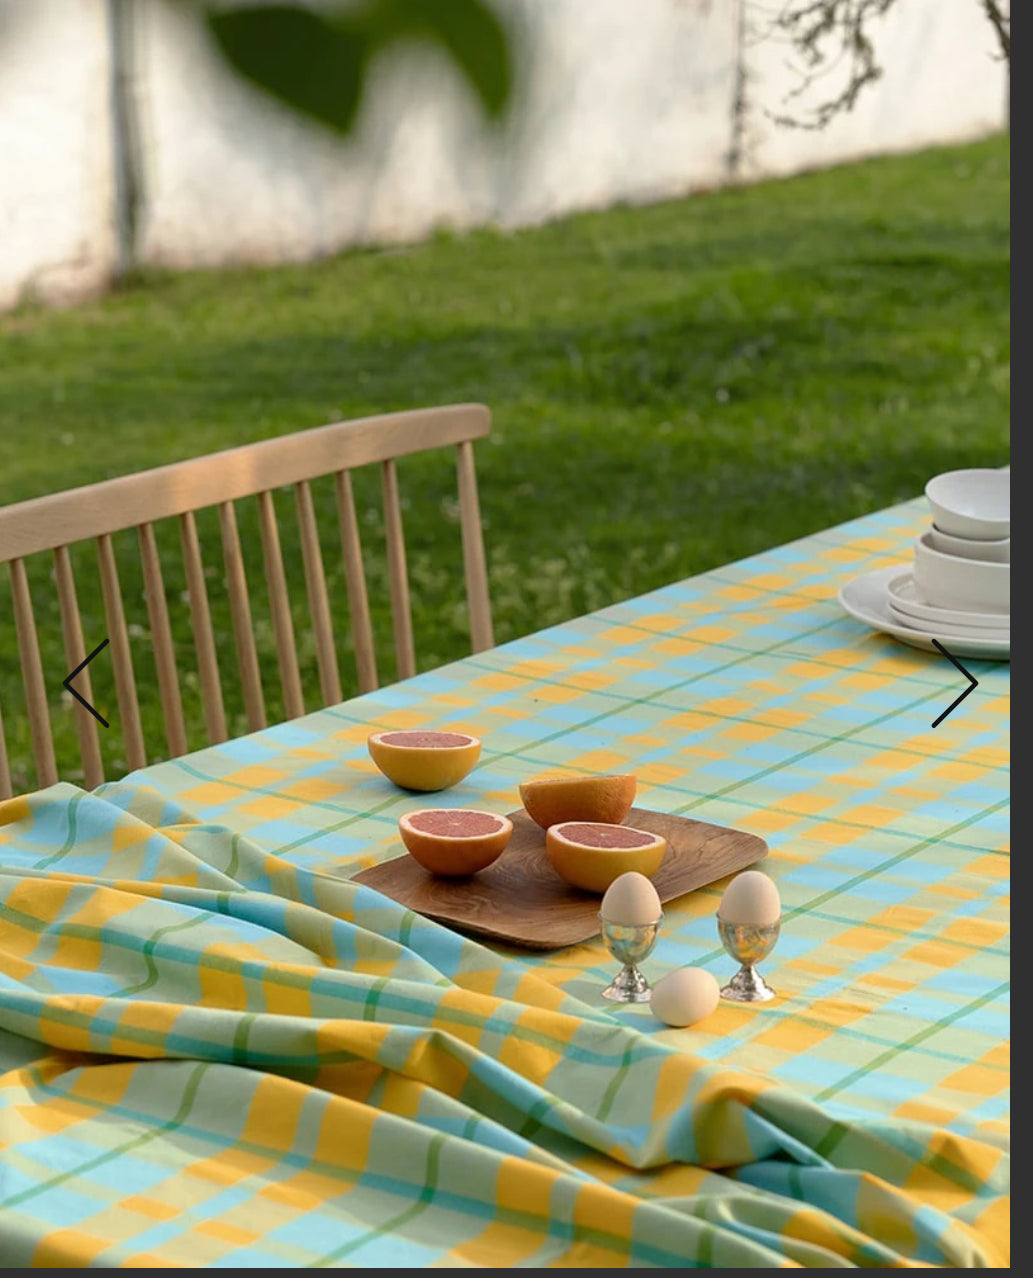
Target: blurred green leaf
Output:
[(471, 33), (314, 64)]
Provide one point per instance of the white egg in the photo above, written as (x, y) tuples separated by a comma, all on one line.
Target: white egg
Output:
[(631, 899), (684, 996), (750, 899)]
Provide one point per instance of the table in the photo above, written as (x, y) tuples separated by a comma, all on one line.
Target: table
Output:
[(216, 1051)]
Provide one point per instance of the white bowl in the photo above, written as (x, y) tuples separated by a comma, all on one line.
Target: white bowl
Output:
[(997, 551), (904, 602), (971, 585), (972, 503)]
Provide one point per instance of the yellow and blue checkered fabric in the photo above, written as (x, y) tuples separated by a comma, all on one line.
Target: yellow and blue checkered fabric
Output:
[(217, 1051)]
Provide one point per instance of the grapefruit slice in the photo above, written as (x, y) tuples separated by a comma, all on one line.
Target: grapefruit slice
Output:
[(591, 854), (424, 760), (454, 842), (550, 800)]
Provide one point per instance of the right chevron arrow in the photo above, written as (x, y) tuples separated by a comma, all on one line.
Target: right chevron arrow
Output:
[(972, 683)]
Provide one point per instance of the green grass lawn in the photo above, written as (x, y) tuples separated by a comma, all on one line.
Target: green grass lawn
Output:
[(673, 388)]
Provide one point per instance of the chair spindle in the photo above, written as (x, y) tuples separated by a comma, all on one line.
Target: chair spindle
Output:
[(75, 653), (201, 622), (401, 612), (161, 640), (32, 673), (355, 578), (6, 788), (279, 605), (481, 633), (121, 659), (318, 602), (240, 611)]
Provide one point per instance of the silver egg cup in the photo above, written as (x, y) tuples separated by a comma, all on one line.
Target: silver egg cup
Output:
[(629, 943), (748, 945)]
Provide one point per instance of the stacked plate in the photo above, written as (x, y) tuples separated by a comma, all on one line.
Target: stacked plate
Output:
[(958, 590)]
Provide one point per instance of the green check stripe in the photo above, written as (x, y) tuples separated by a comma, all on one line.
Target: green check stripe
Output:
[(127, 1147), (395, 1223), (892, 861), (291, 1161), (830, 814), (630, 703), (856, 880), (69, 843), (147, 950), (439, 1016), (620, 1077), (818, 748), (926, 1032), (656, 699), (274, 791)]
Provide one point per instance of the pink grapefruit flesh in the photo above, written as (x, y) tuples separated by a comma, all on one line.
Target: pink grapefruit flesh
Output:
[(454, 842)]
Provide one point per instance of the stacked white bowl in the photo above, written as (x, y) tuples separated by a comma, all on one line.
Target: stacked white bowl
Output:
[(960, 586)]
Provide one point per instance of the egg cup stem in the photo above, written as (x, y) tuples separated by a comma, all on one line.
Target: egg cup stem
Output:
[(747, 986), (628, 986)]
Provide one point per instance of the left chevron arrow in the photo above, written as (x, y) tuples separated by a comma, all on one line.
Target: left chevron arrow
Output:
[(67, 682)]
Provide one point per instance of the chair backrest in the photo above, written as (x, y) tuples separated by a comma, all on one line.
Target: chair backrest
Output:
[(55, 523)]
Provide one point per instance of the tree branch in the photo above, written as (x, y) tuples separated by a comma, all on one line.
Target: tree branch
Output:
[(824, 33), (1001, 23)]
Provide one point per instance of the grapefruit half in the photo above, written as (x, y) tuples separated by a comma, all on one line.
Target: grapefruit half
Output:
[(424, 760), (454, 842), (550, 800), (591, 854)]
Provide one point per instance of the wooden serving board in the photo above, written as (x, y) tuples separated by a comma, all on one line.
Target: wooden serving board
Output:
[(521, 900)]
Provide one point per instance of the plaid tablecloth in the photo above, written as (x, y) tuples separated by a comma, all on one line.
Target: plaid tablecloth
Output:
[(215, 1050)]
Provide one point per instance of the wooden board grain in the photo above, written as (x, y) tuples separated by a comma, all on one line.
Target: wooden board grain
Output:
[(522, 901)]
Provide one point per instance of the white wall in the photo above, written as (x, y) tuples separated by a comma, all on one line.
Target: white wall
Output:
[(56, 227), (943, 81), (626, 100)]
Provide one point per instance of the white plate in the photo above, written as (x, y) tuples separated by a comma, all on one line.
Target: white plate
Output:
[(904, 598), (942, 631), (865, 599)]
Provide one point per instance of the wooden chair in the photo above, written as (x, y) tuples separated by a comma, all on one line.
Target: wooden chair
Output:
[(93, 513)]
